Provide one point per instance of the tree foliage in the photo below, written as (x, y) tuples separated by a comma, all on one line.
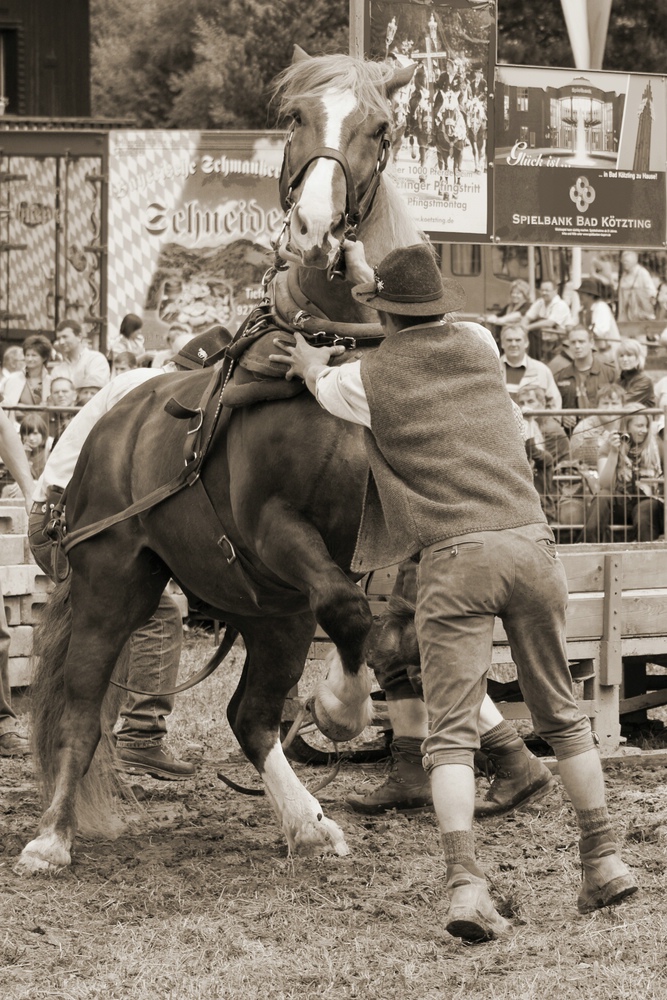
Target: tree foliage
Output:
[(210, 63), (535, 35)]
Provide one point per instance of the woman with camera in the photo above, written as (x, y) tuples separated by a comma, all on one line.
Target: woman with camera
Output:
[(629, 476)]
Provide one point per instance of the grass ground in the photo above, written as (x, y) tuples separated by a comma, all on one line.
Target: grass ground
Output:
[(201, 901)]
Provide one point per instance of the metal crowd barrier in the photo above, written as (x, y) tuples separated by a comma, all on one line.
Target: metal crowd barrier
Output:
[(568, 484)]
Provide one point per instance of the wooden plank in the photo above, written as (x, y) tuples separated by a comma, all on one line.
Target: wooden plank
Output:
[(611, 664), (651, 699)]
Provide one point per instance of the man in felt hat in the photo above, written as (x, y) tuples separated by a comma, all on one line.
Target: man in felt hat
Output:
[(449, 478), (155, 649)]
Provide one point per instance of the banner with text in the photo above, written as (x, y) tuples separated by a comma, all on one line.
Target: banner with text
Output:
[(442, 130), (191, 215), (580, 158)]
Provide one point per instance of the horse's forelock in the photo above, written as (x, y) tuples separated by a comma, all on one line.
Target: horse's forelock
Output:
[(311, 78)]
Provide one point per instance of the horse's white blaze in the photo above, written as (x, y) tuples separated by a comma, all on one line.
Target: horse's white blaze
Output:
[(300, 814), (316, 206)]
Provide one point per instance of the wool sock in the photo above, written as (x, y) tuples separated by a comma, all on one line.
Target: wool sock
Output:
[(459, 846), (593, 822), (502, 739)]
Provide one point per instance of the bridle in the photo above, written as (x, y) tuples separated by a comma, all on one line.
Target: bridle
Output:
[(356, 209)]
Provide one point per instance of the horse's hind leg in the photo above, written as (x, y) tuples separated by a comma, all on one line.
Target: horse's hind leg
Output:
[(276, 651), (293, 548), (71, 725)]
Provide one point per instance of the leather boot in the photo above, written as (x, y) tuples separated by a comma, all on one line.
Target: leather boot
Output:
[(407, 785), (156, 761), (607, 879), (472, 915), (519, 777)]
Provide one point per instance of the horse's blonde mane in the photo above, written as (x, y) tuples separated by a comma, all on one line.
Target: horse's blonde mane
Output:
[(389, 224), (310, 78)]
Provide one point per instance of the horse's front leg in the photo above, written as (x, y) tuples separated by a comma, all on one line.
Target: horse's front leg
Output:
[(276, 651), (293, 548)]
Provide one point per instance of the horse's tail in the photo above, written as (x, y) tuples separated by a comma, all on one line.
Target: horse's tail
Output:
[(103, 802)]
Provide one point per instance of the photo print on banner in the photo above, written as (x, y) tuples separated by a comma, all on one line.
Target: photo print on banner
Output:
[(580, 157), (442, 131)]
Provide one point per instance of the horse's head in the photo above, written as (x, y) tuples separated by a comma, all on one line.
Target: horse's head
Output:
[(340, 113)]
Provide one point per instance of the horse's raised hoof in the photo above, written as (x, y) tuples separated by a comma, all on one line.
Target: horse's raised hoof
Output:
[(341, 705), (319, 836), (47, 853)]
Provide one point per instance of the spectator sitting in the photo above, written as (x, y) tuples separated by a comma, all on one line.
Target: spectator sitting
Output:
[(580, 382), (519, 369), (12, 361), (547, 320), (529, 398), (130, 337), (62, 394), (87, 387), (36, 442), (124, 361), (628, 476), (597, 316), (511, 314), (79, 363), (637, 385), (661, 301), (636, 290), (30, 385), (591, 435), (556, 441), (177, 331), (36, 445)]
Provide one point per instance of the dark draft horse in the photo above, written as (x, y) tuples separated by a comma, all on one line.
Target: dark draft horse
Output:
[(266, 546)]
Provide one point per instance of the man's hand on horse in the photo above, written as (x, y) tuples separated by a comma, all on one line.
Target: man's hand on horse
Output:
[(357, 268), (304, 360)]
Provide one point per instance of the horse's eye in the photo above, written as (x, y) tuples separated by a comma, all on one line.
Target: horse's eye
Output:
[(380, 130), (296, 118)]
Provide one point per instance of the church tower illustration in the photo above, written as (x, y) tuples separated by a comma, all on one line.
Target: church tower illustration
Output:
[(643, 142)]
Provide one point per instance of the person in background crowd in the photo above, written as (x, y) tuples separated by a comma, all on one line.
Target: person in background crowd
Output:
[(30, 386), (628, 475), (547, 320), (36, 442), (530, 397), (519, 368), (124, 361), (12, 361), (87, 386), (62, 394), (511, 314), (637, 385), (80, 364), (596, 314), (591, 435), (636, 290), (485, 551), (579, 382), (130, 337), (13, 743), (661, 301), (176, 332)]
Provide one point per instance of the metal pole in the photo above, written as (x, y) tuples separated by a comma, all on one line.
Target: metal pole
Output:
[(360, 28)]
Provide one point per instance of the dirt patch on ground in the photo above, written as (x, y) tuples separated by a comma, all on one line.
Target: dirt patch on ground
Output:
[(200, 899)]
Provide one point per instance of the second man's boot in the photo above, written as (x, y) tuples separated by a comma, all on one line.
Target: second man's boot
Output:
[(519, 777), (607, 879), (407, 785)]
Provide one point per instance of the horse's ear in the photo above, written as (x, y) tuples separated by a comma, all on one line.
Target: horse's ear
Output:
[(299, 54), (401, 78)]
